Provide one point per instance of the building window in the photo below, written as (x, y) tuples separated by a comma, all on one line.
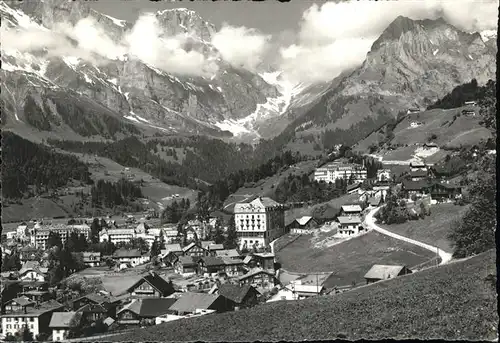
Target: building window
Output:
[(9, 326)]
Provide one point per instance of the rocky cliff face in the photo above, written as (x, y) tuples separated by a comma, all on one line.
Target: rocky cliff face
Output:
[(134, 90), (410, 65)]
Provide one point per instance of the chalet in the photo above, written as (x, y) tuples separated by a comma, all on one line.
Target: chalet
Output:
[(470, 103), (441, 191), (264, 260), (417, 188), (171, 254), (243, 296), (354, 188), (419, 175), (383, 272), (384, 175), (212, 247), (189, 303), (351, 210), (304, 291), (29, 253), (36, 318), (218, 265), (259, 278), (151, 285), (146, 309), (109, 303), (170, 235), (91, 259), (195, 249), (349, 225), (229, 253), (132, 256), (413, 110), (93, 312), (186, 266), (303, 225), (175, 248), (62, 322), (32, 272), (18, 304), (414, 166), (469, 113), (415, 124)]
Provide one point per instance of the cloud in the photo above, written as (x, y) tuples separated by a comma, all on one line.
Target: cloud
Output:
[(241, 47), (147, 42), (337, 35)]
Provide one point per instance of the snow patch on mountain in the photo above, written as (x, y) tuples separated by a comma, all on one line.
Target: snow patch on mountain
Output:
[(486, 35), (118, 22)]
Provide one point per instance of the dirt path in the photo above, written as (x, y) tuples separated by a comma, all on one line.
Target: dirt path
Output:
[(370, 222)]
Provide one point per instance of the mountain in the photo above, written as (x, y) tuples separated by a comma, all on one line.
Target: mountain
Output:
[(130, 89), (412, 63)]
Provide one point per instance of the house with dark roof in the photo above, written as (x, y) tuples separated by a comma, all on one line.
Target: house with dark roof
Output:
[(151, 285), (108, 302), (133, 256), (417, 188), (36, 318), (419, 175), (259, 278), (186, 265), (353, 188), (190, 303), (91, 313), (264, 260), (243, 296), (442, 191), (195, 249), (302, 225), (18, 304), (351, 210), (229, 253), (145, 309), (62, 322), (210, 265), (380, 272)]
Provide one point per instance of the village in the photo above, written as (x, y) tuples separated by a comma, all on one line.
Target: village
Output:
[(180, 271)]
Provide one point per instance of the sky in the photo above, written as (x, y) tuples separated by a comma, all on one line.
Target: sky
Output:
[(308, 40)]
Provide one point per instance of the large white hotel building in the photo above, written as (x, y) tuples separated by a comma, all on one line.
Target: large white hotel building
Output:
[(259, 222), (340, 170)]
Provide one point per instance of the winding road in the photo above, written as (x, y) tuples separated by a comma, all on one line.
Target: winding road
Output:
[(370, 222)]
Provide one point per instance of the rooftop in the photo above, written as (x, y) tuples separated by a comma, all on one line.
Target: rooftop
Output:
[(65, 319), (351, 208), (349, 220), (383, 272), (235, 293), (149, 307), (190, 302)]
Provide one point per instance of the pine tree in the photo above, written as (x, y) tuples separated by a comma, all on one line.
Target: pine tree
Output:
[(54, 240), (231, 237)]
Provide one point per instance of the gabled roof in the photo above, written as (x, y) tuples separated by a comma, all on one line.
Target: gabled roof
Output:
[(65, 319), (171, 248), (375, 201), (235, 293), (349, 220), (156, 281), (419, 173), (191, 245), (189, 302), (255, 272), (122, 253), (263, 254), (353, 186), (351, 208), (108, 321), (215, 247), (187, 261), (304, 220), (96, 298), (383, 272), (149, 307), (415, 185), (211, 261), (227, 253), (247, 259), (22, 301), (93, 308)]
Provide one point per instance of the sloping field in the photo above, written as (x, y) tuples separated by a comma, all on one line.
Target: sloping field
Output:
[(33, 208), (350, 260), (433, 229), (453, 302)]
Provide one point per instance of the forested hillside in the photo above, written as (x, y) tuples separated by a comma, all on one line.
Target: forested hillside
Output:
[(470, 91), (33, 168)]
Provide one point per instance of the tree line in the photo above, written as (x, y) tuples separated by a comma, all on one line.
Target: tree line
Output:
[(110, 194), (469, 91), (33, 168)]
